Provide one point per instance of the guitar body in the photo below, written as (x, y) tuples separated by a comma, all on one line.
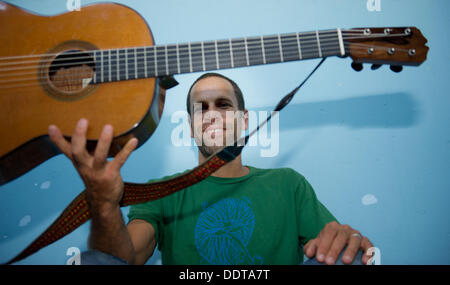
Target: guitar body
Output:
[(40, 93)]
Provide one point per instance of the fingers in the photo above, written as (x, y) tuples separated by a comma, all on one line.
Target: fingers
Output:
[(354, 244), (310, 248), (103, 145), (365, 245), (57, 138), (123, 155), (338, 244), (79, 152), (326, 238)]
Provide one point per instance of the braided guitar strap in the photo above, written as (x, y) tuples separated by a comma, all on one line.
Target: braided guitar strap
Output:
[(77, 213)]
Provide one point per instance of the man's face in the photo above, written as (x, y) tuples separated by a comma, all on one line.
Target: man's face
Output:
[(216, 119)]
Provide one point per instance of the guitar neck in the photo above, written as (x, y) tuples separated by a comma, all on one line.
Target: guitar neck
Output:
[(154, 61)]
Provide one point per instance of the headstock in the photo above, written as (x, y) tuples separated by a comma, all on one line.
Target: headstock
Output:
[(393, 46)]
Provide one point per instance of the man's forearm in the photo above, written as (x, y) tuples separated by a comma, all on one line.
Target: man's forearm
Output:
[(109, 233)]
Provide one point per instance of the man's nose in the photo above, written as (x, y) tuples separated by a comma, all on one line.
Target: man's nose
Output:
[(212, 115)]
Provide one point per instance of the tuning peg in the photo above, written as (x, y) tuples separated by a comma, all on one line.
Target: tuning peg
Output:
[(357, 66), (375, 66), (396, 68)]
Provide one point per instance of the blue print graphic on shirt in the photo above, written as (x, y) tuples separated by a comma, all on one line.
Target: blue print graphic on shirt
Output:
[(223, 231)]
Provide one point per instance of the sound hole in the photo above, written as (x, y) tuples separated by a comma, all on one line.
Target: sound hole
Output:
[(71, 71)]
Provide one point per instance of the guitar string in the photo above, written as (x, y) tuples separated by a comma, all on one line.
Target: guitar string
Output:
[(306, 48), (248, 49), (242, 48), (182, 51), (148, 50), (196, 66), (313, 34), (272, 39), (286, 53)]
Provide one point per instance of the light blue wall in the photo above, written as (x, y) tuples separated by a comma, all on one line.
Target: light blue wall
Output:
[(350, 134)]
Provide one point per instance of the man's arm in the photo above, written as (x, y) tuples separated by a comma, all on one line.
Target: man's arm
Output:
[(142, 236), (104, 190), (109, 233)]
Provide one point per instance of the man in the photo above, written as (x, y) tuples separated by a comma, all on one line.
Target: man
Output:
[(238, 215)]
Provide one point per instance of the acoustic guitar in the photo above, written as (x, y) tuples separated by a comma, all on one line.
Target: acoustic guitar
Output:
[(101, 63)]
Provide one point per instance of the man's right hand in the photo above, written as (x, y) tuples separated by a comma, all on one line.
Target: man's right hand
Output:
[(104, 184)]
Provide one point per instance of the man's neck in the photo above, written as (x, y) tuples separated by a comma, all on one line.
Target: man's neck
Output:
[(230, 170)]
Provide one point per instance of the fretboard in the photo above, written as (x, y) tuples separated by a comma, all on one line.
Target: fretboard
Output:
[(153, 61)]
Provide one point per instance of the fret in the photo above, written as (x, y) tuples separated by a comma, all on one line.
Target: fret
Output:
[(113, 75), (97, 56), (135, 64), (167, 62), (109, 65), (231, 54), (150, 59), (141, 63), (172, 60), (123, 64), (196, 57), (318, 44), (217, 55), (117, 64), (224, 54), (101, 66), (145, 63), (280, 47), (246, 51), (238, 47), (131, 63), (299, 47), (203, 56), (190, 57), (271, 49), (178, 59), (210, 55), (161, 58), (255, 51), (341, 42), (290, 48), (184, 58), (105, 64), (155, 58), (262, 50), (126, 64)]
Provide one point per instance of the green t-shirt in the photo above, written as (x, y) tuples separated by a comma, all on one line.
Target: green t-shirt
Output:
[(264, 217)]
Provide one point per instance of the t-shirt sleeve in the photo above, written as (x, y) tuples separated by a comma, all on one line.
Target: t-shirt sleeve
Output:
[(312, 215), (151, 212)]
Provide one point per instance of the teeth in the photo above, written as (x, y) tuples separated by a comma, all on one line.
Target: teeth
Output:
[(215, 131)]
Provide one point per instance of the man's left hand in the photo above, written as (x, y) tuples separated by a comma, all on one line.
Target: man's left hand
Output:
[(330, 242)]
